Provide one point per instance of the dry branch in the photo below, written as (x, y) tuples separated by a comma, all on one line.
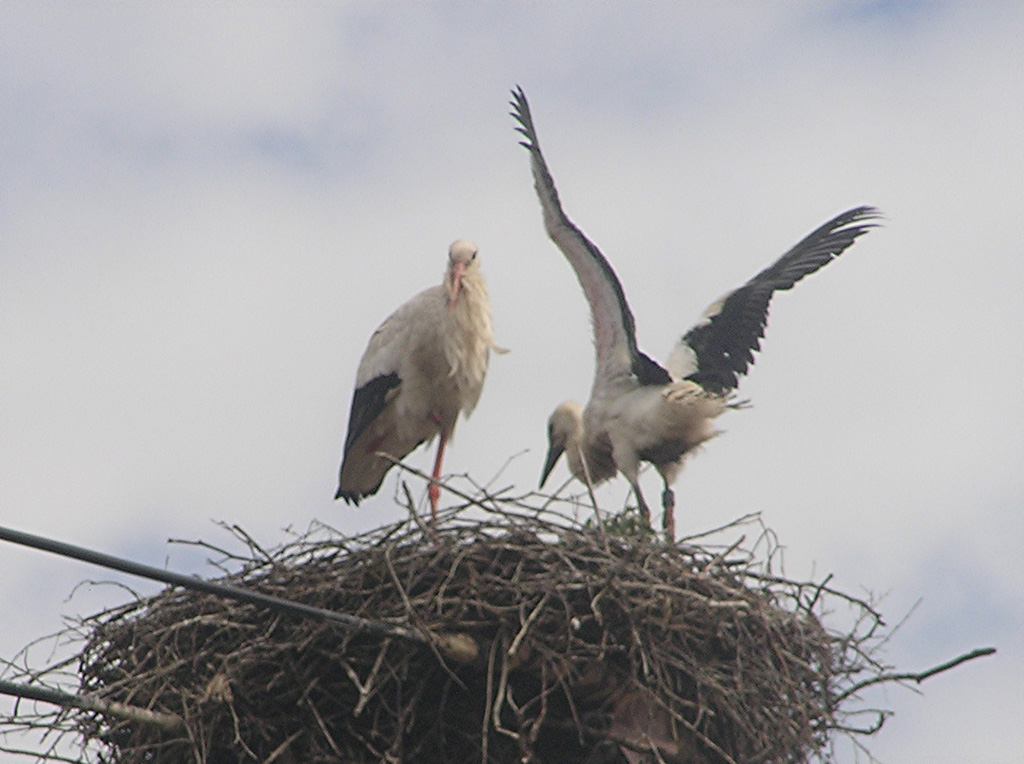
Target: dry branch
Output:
[(171, 723)]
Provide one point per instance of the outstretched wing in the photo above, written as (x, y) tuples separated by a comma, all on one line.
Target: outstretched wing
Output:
[(719, 349), (614, 327)]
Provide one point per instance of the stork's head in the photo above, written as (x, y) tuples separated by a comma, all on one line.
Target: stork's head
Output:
[(461, 258), (565, 431)]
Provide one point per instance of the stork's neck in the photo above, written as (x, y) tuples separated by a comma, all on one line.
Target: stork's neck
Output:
[(574, 445), (472, 309), (468, 337)]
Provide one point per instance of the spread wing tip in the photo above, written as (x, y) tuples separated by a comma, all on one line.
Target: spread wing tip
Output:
[(865, 217), (720, 348), (521, 114), (864, 211)]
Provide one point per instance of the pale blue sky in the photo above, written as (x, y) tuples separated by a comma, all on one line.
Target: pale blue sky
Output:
[(205, 211)]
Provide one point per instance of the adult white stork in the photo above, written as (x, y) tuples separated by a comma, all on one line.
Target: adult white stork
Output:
[(640, 411), (422, 366)]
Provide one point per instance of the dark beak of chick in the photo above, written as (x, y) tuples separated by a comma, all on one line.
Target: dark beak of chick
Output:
[(554, 452)]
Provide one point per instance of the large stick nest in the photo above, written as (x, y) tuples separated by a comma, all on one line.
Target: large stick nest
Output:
[(590, 646)]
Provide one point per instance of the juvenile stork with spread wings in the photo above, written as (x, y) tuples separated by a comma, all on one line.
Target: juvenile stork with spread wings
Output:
[(640, 411), (422, 366)]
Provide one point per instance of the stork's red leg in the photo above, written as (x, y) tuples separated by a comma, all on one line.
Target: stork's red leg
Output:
[(434, 490)]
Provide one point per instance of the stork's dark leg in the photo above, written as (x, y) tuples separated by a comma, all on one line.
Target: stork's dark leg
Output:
[(645, 511), (668, 504)]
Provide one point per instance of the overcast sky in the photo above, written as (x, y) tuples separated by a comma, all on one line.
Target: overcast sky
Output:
[(205, 213)]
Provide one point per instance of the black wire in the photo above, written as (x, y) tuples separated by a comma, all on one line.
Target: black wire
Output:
[(197, 584)]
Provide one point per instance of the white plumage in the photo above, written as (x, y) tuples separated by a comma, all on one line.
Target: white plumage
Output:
[(640, 411), (422, 366)]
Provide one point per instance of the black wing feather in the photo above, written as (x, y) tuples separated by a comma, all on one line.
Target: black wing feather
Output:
[(725, 342), (367, 403)]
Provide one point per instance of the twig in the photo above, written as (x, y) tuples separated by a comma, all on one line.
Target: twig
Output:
[(485, 722), (527, 623), (739, 521), (283, 747), (39, 756), (165, 721), (366, 688), (817, 593), (863, 604), (251, 542), (590, 492), (720, 557), (503, 467), (554, 496), (917, 677), (420, 474), (410, 504)]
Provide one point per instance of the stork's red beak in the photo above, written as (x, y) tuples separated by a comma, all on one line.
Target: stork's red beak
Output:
[(457, 270)]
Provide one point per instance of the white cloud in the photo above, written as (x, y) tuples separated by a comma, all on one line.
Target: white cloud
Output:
[(204, 214)]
